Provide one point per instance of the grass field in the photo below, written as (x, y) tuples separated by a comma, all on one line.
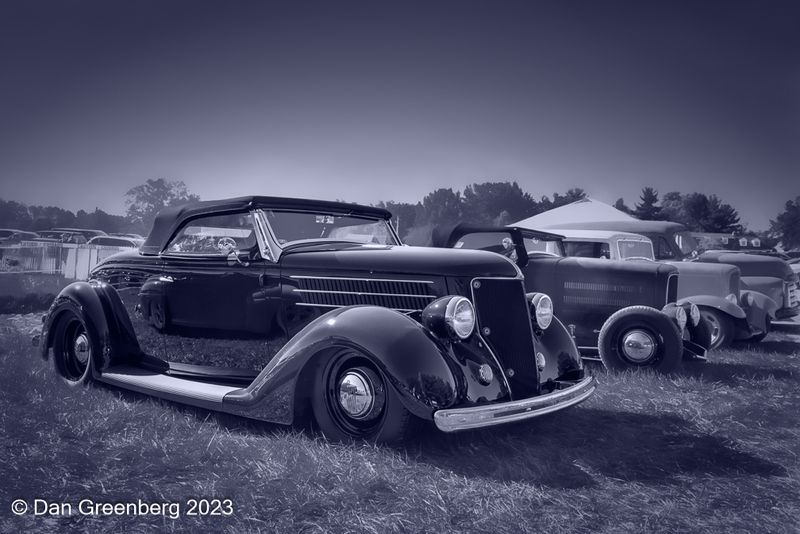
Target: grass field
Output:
[(714, 449)]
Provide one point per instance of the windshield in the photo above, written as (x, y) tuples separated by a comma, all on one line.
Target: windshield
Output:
[(502, 243), (687, 243), (292, 227), (535, 245), (635, 249)]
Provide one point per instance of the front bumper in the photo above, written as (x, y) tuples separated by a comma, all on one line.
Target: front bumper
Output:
[(455, 419), (786, 313)]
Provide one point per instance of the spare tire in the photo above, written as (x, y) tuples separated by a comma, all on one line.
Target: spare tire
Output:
[(640, 336)]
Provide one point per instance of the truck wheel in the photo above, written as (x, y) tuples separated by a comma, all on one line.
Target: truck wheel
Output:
[(640, 336), (720, 325), (351, 399), (72, 348)]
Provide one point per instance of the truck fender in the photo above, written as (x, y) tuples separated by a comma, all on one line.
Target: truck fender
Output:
[(107, 322), (758, 308), (713, 301), (416, 364)]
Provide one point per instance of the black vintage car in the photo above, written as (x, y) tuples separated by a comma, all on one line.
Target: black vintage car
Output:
[(278, 309), (625, 311)]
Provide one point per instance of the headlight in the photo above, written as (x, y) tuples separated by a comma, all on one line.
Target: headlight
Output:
[(692, 313), (732, 298), (680, 317), (460, 317), (541, 309), (450, 317)]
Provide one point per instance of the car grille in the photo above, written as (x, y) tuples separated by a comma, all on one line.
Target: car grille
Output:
[(617, 294), (791, 291), (334, 292), (504, 323)]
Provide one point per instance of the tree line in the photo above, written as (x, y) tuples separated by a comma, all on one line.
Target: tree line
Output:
[(486, 203)]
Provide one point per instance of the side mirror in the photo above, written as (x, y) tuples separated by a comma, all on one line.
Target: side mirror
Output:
[(236, 257)]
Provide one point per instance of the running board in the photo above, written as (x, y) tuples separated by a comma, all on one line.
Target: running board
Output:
[(192, 392)]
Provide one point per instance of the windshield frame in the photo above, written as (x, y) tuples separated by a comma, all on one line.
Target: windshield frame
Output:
[(272, 249)]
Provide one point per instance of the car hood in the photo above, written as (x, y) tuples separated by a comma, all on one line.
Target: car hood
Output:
[(750, 264), (696, 278), (370, 259)]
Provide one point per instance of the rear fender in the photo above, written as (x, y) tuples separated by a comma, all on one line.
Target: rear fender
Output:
[(416, 364), (106, 319)]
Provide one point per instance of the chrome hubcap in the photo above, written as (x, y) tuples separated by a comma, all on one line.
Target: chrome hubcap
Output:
[(638, 345), (356, 394), (81, 348)]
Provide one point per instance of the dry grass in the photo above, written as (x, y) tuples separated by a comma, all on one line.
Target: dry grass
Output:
[(711, 450)]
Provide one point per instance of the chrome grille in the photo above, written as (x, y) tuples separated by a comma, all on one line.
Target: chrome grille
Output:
[(618, 294), (336, 292)]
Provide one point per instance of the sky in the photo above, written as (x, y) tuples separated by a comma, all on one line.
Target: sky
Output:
[(368, 101)]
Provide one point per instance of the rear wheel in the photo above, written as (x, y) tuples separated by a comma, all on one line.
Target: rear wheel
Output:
[(72, 349), (720, 325), (352, 400), (640, 336)]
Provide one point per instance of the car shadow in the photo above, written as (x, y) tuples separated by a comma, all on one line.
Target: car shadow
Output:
[(568, 449)]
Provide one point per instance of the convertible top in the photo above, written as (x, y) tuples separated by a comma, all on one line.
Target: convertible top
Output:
[(171, 218)]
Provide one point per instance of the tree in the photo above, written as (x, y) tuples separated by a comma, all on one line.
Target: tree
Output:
[(621, 206), (647, 210), (483, 203), (404, 215), (786, 226), (442, 206), (672, 208), (722, 218), (146, 200), (14, 215)]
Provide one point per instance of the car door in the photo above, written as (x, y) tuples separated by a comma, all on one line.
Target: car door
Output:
[(218, 307)]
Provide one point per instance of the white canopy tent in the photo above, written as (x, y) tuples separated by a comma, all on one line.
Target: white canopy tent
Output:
[(586, 210)]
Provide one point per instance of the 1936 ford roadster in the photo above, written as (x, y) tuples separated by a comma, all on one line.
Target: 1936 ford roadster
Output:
[(279, 309)]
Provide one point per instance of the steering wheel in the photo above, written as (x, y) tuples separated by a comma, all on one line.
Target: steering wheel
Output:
[(226, 245)]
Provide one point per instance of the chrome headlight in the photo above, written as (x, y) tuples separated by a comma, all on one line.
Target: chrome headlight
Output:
[(694, 314), (450, 317), (541, 308), (680, 317), (732, 298), (460, 317)]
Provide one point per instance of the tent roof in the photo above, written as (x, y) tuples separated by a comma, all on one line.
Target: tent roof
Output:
[(583, 211)]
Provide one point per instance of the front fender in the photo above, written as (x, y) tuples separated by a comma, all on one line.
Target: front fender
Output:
[(417, 365), (719, 303), (562, 358), (758, 308), (104, 315)]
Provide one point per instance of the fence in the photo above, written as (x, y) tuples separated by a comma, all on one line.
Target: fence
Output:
[(73, 262)]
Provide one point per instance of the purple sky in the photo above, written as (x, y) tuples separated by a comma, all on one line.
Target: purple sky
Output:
[(369, 101)]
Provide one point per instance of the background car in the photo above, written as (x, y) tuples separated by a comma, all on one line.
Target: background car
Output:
[(88, 233), (625, 311), (11, 236), (769, 287), (282, 309), (112, 241)]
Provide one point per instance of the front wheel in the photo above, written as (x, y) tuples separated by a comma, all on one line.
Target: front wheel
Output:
[(72, 349), (352, 400), (640, 336), (720, 325)]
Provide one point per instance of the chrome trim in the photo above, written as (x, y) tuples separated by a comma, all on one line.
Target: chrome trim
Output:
[(666, 295), (451, 420), (362, 293), (360, 279), (312, 305), (265, 237)]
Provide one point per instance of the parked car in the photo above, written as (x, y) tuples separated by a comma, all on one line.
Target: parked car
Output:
[(61, 236), (88, 233), (276, 308), (12, 236), (769, 288), (625, 311), (110, 241), (132, 236)]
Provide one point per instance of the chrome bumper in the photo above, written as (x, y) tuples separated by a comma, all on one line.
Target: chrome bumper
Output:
[(506, 412)]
